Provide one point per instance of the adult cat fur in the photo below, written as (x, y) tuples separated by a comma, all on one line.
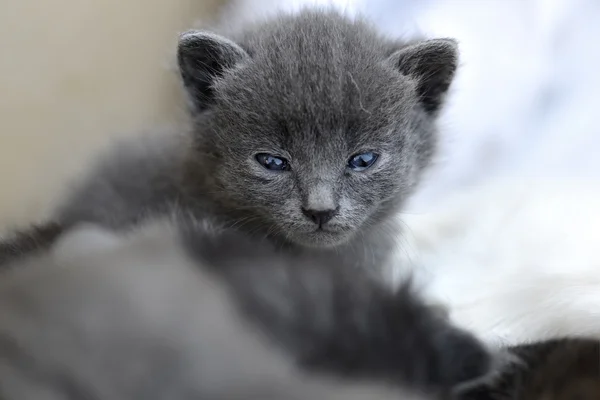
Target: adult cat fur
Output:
[(516, 261), (204, 313)]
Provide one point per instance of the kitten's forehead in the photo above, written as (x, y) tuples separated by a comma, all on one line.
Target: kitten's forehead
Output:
[(316, 78)]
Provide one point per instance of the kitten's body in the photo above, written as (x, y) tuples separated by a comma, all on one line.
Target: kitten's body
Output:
[(206, 314)]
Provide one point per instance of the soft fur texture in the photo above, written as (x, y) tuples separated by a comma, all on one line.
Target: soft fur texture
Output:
[(158, 314), (514, 262)]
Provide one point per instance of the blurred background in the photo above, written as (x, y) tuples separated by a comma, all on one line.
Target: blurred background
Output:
[(74, 74)]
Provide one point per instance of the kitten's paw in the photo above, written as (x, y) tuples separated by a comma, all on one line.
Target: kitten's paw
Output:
[(441, 310), (464, 360)]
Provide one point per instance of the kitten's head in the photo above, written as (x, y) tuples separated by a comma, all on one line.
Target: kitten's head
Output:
[(313, 124)]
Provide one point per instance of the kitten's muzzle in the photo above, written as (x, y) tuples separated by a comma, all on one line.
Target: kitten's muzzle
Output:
[(320, 217)]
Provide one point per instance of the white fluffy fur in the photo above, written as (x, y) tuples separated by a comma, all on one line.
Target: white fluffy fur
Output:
[(516, 256), (514, 261)]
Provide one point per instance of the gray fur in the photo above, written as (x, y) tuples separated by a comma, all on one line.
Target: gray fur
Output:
[(156, 315), (315, 88), (136, 179)]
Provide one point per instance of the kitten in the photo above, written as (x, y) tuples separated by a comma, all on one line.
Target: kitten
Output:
[(310, 129), (559, 369), (195, 312)]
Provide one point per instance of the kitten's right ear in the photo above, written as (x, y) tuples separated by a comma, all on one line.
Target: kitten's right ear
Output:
[(432, 64), (203, 57)]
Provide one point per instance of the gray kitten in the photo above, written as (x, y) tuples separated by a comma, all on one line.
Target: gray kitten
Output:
[(201, 312), (309, 129)]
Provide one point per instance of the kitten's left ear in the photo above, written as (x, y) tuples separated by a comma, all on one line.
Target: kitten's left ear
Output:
[(433, 64), (203, 57)]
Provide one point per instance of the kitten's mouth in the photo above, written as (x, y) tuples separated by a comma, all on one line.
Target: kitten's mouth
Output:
[(329, 230), (322, 236)]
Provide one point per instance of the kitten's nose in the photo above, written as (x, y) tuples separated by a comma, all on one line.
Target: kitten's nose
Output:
[(320, 217)]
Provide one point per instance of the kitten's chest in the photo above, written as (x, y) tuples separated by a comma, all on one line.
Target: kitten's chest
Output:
[(371, 255)]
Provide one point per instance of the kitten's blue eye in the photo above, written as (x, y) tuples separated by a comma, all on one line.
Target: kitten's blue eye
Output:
[(363, 161), (272, 163)]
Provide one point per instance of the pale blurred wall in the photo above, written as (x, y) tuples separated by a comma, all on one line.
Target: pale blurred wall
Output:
[(73, 73)]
